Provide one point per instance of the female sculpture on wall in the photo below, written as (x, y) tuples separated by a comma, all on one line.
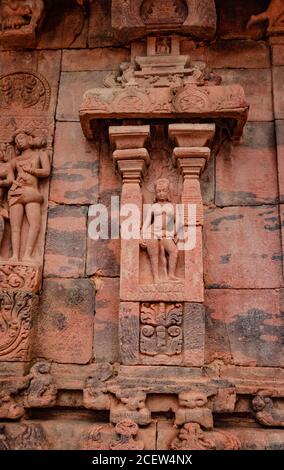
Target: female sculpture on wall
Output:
[(24, 196)]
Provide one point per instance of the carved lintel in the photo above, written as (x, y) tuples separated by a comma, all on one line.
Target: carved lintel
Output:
[(20, 276), (190, 101), (17, 310)]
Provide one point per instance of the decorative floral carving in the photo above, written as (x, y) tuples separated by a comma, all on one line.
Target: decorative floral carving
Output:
[(32, 437), (94, 440), (127, 431), (192, 437), (16, 311), (18, 276), (161, 329), (106, 437), (21, 91), (192, 99)]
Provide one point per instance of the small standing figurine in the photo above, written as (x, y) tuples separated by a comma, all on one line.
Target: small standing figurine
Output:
[(42, 390), (24, 196), (159, 235)]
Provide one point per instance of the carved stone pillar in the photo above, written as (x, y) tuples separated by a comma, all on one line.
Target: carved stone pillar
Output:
[(131, 159), (191, 156)]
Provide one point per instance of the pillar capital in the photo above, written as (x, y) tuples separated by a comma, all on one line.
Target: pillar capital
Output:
[(192, 135)]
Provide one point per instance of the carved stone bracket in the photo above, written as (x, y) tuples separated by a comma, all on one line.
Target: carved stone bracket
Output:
[(20, 21)]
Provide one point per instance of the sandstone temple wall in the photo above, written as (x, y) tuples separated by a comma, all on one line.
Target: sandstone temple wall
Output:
[(63, 381)]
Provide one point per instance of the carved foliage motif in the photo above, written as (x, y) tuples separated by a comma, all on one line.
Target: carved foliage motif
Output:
[(16, 310), (192, 437), (122, 437), (19, 277), (161, 329), (21, 91), (30, 437)]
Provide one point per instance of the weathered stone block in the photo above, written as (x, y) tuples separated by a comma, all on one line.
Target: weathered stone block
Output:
[(235, 54), (280, 157), (258, 90), (75, 167), (244, 327), (242, 247), (278, 89), (56, 31), (72, 87), (65, 324), (248, 174), (106, 320), (45, 63), (94, 59), (66, 241)]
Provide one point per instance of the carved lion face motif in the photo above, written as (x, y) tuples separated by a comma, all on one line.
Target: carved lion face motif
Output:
[(192, 400)]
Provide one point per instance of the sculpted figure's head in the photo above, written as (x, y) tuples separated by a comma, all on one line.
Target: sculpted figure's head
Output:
[(259, 403), (162, 188), (192, 400), (23, 141)]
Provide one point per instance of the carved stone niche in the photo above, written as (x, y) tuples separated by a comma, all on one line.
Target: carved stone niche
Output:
[(194, 17), (20, 21)]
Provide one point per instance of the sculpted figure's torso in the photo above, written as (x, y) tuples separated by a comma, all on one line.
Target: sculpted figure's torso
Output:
[(24, 196)]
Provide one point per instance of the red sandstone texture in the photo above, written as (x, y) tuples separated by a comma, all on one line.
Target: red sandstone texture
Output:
[(151, 102)]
